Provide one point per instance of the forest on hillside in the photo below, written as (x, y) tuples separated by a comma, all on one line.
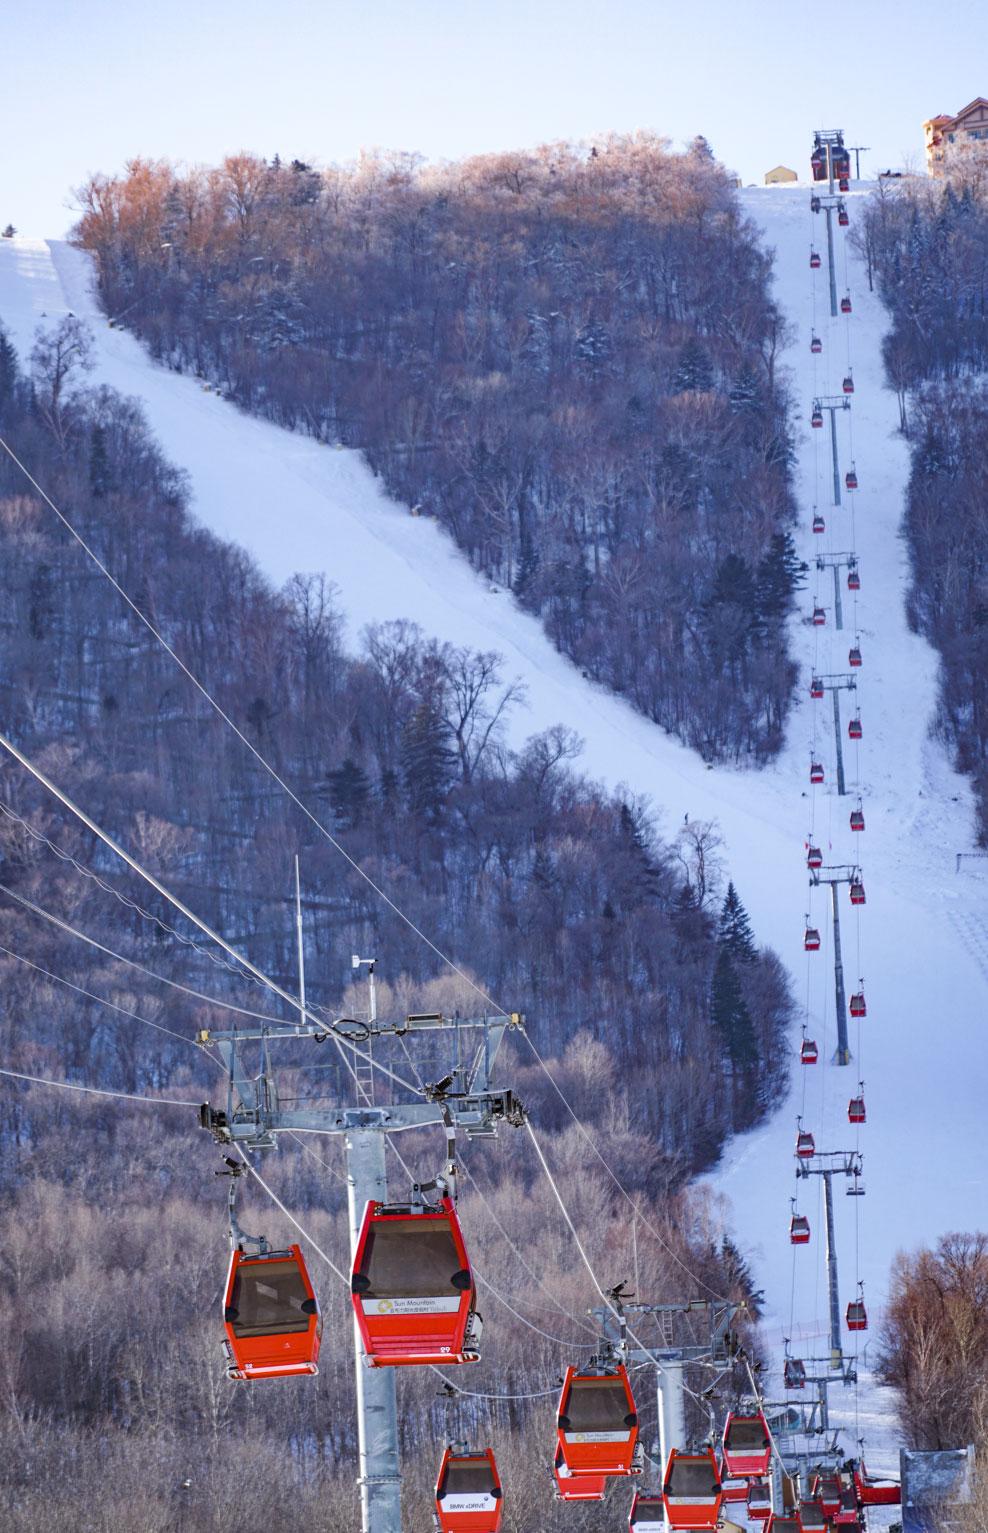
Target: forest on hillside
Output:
[(567, 356), (662, 1021), (926, 242)]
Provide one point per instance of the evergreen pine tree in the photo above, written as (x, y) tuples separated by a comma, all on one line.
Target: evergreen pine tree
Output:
[(428, 760), (9, 371), (735, 933), (349, 793), (730, 1016), (694, 372), (99, 467)]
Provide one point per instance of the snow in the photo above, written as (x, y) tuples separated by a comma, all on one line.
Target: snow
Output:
[(920, 942)]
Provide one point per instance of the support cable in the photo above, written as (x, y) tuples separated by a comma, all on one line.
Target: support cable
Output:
[(262, 761), (190, 915), (291, 1217), (101, 1000), (161, 979), (618, 1184), (96, 1091), (124, 899)]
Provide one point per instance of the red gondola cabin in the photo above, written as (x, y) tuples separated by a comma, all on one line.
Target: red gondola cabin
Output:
[(816, 418), (819, 617), (816, 345), (819, 525), (808, 1052), (799, 1230), (843, 183), (856, 1110), (816, 772), (271, 1316), (412, 1289), (811, 1517), (794, 1373), (842, 217), (691, 1490), (857, 1004), (816, 687), (814, 857), (857, 892), (815, 261), (857, 819), (854, 730), (747, 1445), (782, 1525), (805, 1149), (818, 164), (853, 578), (759, 1501), (469, 1498), (826, 1490), (856, 1315), (854, 657), (848, 384), (648, 1514), (875, 1492), (811, 940), (597, 1422), (845, 304), (851, 479)]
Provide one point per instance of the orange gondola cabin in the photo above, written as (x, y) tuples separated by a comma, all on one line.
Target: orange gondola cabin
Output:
[(469, 1498), (799, 1230), (747, 1445), (413, 1292), (811, 1518), (597, 1422), (691, 1490), (811, 940), (271, 1316), (808, 1052), (805, 1149), (759, 1500), (648, 1514)]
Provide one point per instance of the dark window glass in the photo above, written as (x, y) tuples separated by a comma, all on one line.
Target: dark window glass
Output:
[(469, 1478), (692, 1478), (268, 1298), (597, 1405), (412, 1258), (746, 1435)]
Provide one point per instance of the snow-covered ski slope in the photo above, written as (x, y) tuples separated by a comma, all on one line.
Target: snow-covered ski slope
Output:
[(920, 942)]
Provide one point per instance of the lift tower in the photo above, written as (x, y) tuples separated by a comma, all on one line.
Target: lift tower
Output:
[(835, 877), (836, 685), (837, 562), (465, 1099), (830, 139), (668, 1357), (828, 1164), (832, 403)]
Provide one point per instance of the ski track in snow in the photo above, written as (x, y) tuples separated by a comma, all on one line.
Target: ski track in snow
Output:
[(920, 941)]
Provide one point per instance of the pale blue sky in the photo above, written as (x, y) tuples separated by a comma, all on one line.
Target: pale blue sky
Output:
[(86, 84)]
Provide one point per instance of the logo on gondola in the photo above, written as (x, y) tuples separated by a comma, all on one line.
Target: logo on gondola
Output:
[(385, 1307)]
